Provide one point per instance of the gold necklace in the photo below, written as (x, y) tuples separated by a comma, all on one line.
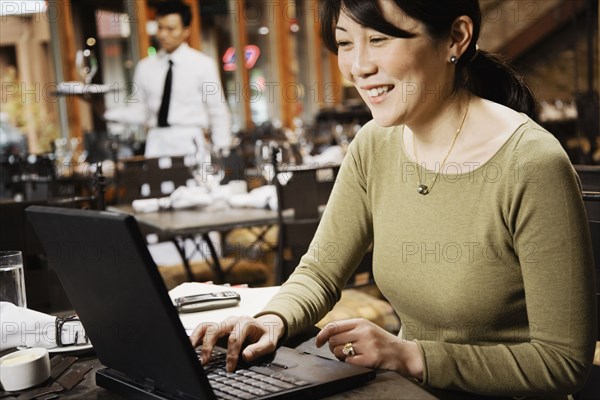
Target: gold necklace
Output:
[(422, 188)]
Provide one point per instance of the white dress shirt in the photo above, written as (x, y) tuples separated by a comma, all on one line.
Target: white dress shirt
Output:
[(197, 101)]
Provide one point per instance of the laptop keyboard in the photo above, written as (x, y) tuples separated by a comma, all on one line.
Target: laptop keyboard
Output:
[(243, 383)]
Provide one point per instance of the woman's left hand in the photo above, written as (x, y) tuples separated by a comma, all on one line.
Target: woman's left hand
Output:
[(373, 347)]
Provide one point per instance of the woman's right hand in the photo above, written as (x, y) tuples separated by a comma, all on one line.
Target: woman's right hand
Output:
[(259, 334)]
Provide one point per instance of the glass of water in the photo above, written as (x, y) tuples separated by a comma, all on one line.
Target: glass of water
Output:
[(12, 278), (208, 170), (86, 64)]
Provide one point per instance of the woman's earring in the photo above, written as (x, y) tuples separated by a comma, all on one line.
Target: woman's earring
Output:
[(454, 60)]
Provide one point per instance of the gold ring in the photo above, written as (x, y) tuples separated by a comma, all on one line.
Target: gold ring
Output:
[(348, 350)]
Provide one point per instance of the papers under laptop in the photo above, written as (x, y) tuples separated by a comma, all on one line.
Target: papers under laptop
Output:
[(252, 301), (104, 265)]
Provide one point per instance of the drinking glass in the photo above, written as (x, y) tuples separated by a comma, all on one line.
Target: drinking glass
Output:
[(264, 159), (208, 170), (340, 133), (86, 64), (12, 278)]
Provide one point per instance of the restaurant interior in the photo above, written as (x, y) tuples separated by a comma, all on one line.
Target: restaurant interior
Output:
[(247, 215)]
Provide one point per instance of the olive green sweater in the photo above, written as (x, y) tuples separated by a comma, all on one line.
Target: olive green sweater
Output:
[(491, 273)]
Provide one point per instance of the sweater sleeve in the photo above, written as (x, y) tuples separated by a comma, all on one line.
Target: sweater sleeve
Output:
[(545, 215), (342, 238)]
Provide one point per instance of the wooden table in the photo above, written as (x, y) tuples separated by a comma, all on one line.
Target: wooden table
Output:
[(386, 385), (178, 225)]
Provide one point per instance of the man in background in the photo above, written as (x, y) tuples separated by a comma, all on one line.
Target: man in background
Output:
[(180, 91)]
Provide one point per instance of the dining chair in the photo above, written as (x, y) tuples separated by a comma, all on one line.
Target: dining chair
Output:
[(139, 178), (592, 205), (589, 176), (302, 193), (233, 166), (32, 177)]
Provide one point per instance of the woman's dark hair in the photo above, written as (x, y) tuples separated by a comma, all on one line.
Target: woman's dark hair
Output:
[(175, 7), (484, 74)]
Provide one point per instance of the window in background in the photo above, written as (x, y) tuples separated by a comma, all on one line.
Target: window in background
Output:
[(307, 38), (113, 46), (260, 61), (28, 102), (216, 40)]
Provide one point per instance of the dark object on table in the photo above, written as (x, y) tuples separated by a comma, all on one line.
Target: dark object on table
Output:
[(124, 280), (65, 382)]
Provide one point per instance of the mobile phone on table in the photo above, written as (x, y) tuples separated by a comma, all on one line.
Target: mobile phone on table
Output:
[(207, 301)]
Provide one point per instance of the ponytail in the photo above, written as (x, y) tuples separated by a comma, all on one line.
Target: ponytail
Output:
[(491, 77)]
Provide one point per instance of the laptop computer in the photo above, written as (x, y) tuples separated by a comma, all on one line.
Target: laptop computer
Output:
[(104, 265)]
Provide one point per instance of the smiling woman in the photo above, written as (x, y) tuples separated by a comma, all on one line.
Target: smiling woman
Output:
[(431, 38), (480, 239)]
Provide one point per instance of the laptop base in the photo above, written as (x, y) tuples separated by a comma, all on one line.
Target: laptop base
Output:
[(120, 384), (104, 265)]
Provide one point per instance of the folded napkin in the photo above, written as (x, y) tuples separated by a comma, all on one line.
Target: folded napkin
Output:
[(261, 197), (23, 327), (333, 155), (182, 197), (150, 205)]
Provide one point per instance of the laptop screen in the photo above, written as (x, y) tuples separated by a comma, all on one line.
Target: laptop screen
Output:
[(104, 265)]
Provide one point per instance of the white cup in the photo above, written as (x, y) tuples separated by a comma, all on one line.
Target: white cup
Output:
[(12, 278), (24, 368)]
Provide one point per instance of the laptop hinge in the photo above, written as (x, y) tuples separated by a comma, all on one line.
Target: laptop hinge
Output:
[(148, 383), (118, 382)]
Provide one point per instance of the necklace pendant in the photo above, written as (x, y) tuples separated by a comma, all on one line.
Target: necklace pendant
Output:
[(423, 189)]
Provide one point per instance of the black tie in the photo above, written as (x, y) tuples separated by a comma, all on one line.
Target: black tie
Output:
[(163, 112)]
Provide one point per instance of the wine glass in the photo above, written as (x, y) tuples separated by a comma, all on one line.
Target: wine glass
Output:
[(264, 161), (61, 156), (86, 64), (208, 170), (340, 134)]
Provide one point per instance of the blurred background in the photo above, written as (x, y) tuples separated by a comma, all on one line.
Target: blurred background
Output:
[(66, 63), (287, 84)]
